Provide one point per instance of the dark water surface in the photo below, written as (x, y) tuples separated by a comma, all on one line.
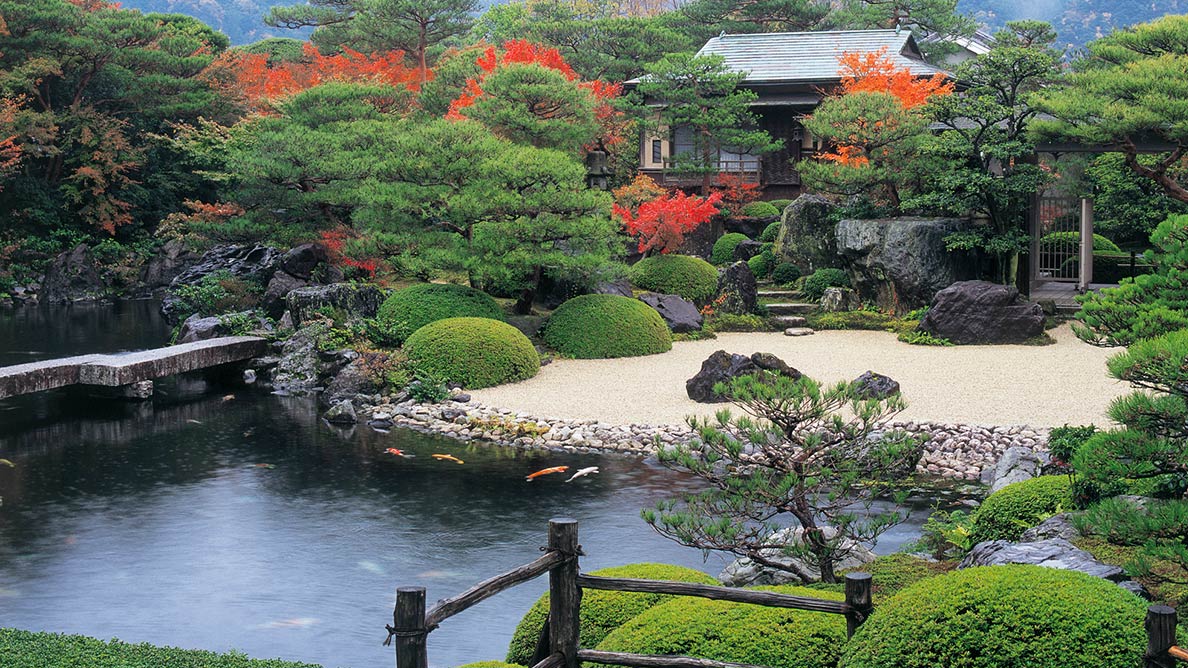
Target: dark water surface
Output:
[(248, 523)]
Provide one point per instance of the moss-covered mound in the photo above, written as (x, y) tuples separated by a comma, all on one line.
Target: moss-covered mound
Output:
[(26, 649), (476, 352), (410, 309), (736, 632), (602, 611), (602, 326), (690, 277), (999, 616), (723, 252), (1010, 511)]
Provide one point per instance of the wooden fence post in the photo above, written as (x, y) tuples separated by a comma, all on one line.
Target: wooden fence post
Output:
[(565, 597), (408, 623), (1161, 635), (858, 598)]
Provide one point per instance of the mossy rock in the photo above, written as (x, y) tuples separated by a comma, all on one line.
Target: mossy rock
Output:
[(604, 326), (999, 616), (405, 311), (690, 277), (476, 352), (1010, 511), (723, 252), (602, 611), (737, 632)]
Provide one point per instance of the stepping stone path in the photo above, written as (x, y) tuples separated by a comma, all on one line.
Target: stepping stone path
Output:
[(788, 314)]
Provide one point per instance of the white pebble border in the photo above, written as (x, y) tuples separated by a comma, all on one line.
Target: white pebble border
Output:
[(952, 450)]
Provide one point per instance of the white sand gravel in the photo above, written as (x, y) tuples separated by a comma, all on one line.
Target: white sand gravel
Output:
[(1038, 386)]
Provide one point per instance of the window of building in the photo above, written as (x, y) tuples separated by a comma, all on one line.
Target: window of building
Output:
[(657, 151)]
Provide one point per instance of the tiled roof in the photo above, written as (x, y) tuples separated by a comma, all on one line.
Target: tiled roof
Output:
[(797, 57)]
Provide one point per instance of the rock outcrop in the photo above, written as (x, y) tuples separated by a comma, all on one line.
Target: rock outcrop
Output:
[(871, 385), (1050, 552), (721, 367), (738, 292), (808, 236), (973, 312), (255, 264), (680, 314), (73, 276), (837, 300), (355, 300), (745, 573)]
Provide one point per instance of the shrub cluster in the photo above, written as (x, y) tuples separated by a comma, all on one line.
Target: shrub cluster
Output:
[(762, 264), (690, 277), (407, 310), (815, 284), (736, 632), (26, 648), (476, 352), (1010, 511), (991, 617), (770, 233), (760, 210), (602, 326), (602, 611), (723, 252), (785, 273)]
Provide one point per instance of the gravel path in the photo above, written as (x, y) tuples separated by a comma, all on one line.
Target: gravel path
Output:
[(1038, 386)]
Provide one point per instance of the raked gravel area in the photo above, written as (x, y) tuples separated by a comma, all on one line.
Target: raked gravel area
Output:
[(1037, 386)]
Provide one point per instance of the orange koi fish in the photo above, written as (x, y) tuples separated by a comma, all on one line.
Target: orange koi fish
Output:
[(399, 453), (552, 469), (448, 458)]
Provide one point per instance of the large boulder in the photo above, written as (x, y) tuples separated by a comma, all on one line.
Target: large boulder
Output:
[(199, 328), (721, 367), (277, 292), (807, 236), (973, 312), (1018, 463), (355, 301), (871, 385), (173, 258), (746, 250), (680, 314), (1051, 552), (746, 573), (838, 300), (73, 276), (738, 291), (621, 287), (253, 264), (900, 263), (303, 262)]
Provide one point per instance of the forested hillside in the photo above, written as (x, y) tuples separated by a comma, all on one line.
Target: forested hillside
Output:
[(1077, 21)]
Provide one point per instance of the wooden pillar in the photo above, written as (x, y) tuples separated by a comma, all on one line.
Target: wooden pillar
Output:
[(1033, 255), (859, 599), (1086, 243), (1161, 635), (565, 597), (408, 622)]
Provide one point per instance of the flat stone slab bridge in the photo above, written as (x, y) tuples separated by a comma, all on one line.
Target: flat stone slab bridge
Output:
[(127, 370)]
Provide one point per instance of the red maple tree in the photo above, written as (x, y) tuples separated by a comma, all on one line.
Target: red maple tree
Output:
[(337, 242), (661, 224)]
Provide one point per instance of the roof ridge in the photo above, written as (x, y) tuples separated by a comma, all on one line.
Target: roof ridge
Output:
[(813, 32)]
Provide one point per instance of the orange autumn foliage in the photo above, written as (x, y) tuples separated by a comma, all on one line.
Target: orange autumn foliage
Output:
[(876, 72)]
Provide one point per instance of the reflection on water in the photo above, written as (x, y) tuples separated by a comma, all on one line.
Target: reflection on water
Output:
[(35, 333)]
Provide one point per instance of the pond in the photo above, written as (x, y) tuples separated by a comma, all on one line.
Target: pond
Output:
[(241, 520)]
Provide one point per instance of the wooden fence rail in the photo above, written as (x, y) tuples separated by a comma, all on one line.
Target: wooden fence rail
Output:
[(559, 646)]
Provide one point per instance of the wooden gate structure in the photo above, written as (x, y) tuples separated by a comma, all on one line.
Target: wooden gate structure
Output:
[(1062, 241), (558, 646)]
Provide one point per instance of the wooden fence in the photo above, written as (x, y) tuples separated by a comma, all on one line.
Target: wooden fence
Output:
[(558, 645), (1162, 651)]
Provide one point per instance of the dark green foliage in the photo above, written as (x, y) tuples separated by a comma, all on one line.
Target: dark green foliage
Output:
[(760, 210), (1127, 206), (815, 284), (785, 273), (278, 49), (1064, 442), (946, 534), (429, 388), (992, 617), (1010, 511), (405, 311), (601, 326), (602, 611), (736, 632), (762, 264), (723, 252), (215, 294), (780, 204), (1148, 305), (476, 352), (26, 649), (1054, 240), (770, 233), (684, 275)]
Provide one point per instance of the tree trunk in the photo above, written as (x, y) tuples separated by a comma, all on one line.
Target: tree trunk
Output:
[(524, 303)]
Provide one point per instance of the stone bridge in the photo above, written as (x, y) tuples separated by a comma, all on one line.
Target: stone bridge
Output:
[(124, 370)]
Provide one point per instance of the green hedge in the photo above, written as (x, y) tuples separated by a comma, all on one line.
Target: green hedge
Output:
[(760, 210), (736, 632), (476, 352), (1004, 616), (723, 252), (603, 326), (1052, 240), (1010, 511), (26, 649), (690, 277), (770, 233), (815, 284), (602, 611), (407, 310)]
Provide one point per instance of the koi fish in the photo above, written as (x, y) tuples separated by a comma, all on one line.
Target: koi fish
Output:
[(448, 458), (552, 469), (228, 397), (582, 473), (8, 463), (400, 453), (263, 466), (193, 421)]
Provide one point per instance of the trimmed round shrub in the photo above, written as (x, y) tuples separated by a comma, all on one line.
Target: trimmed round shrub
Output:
[(602, 611), (1054, 240), (1010, 511), (690, 277), (770, 233), (410, 309), (892, 573), (736, 632), (601, 326), (785, 273), (999, 616), (815, 284), (760, 210), (723, 252), (476, 352), (762, 263), (781, 204)]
